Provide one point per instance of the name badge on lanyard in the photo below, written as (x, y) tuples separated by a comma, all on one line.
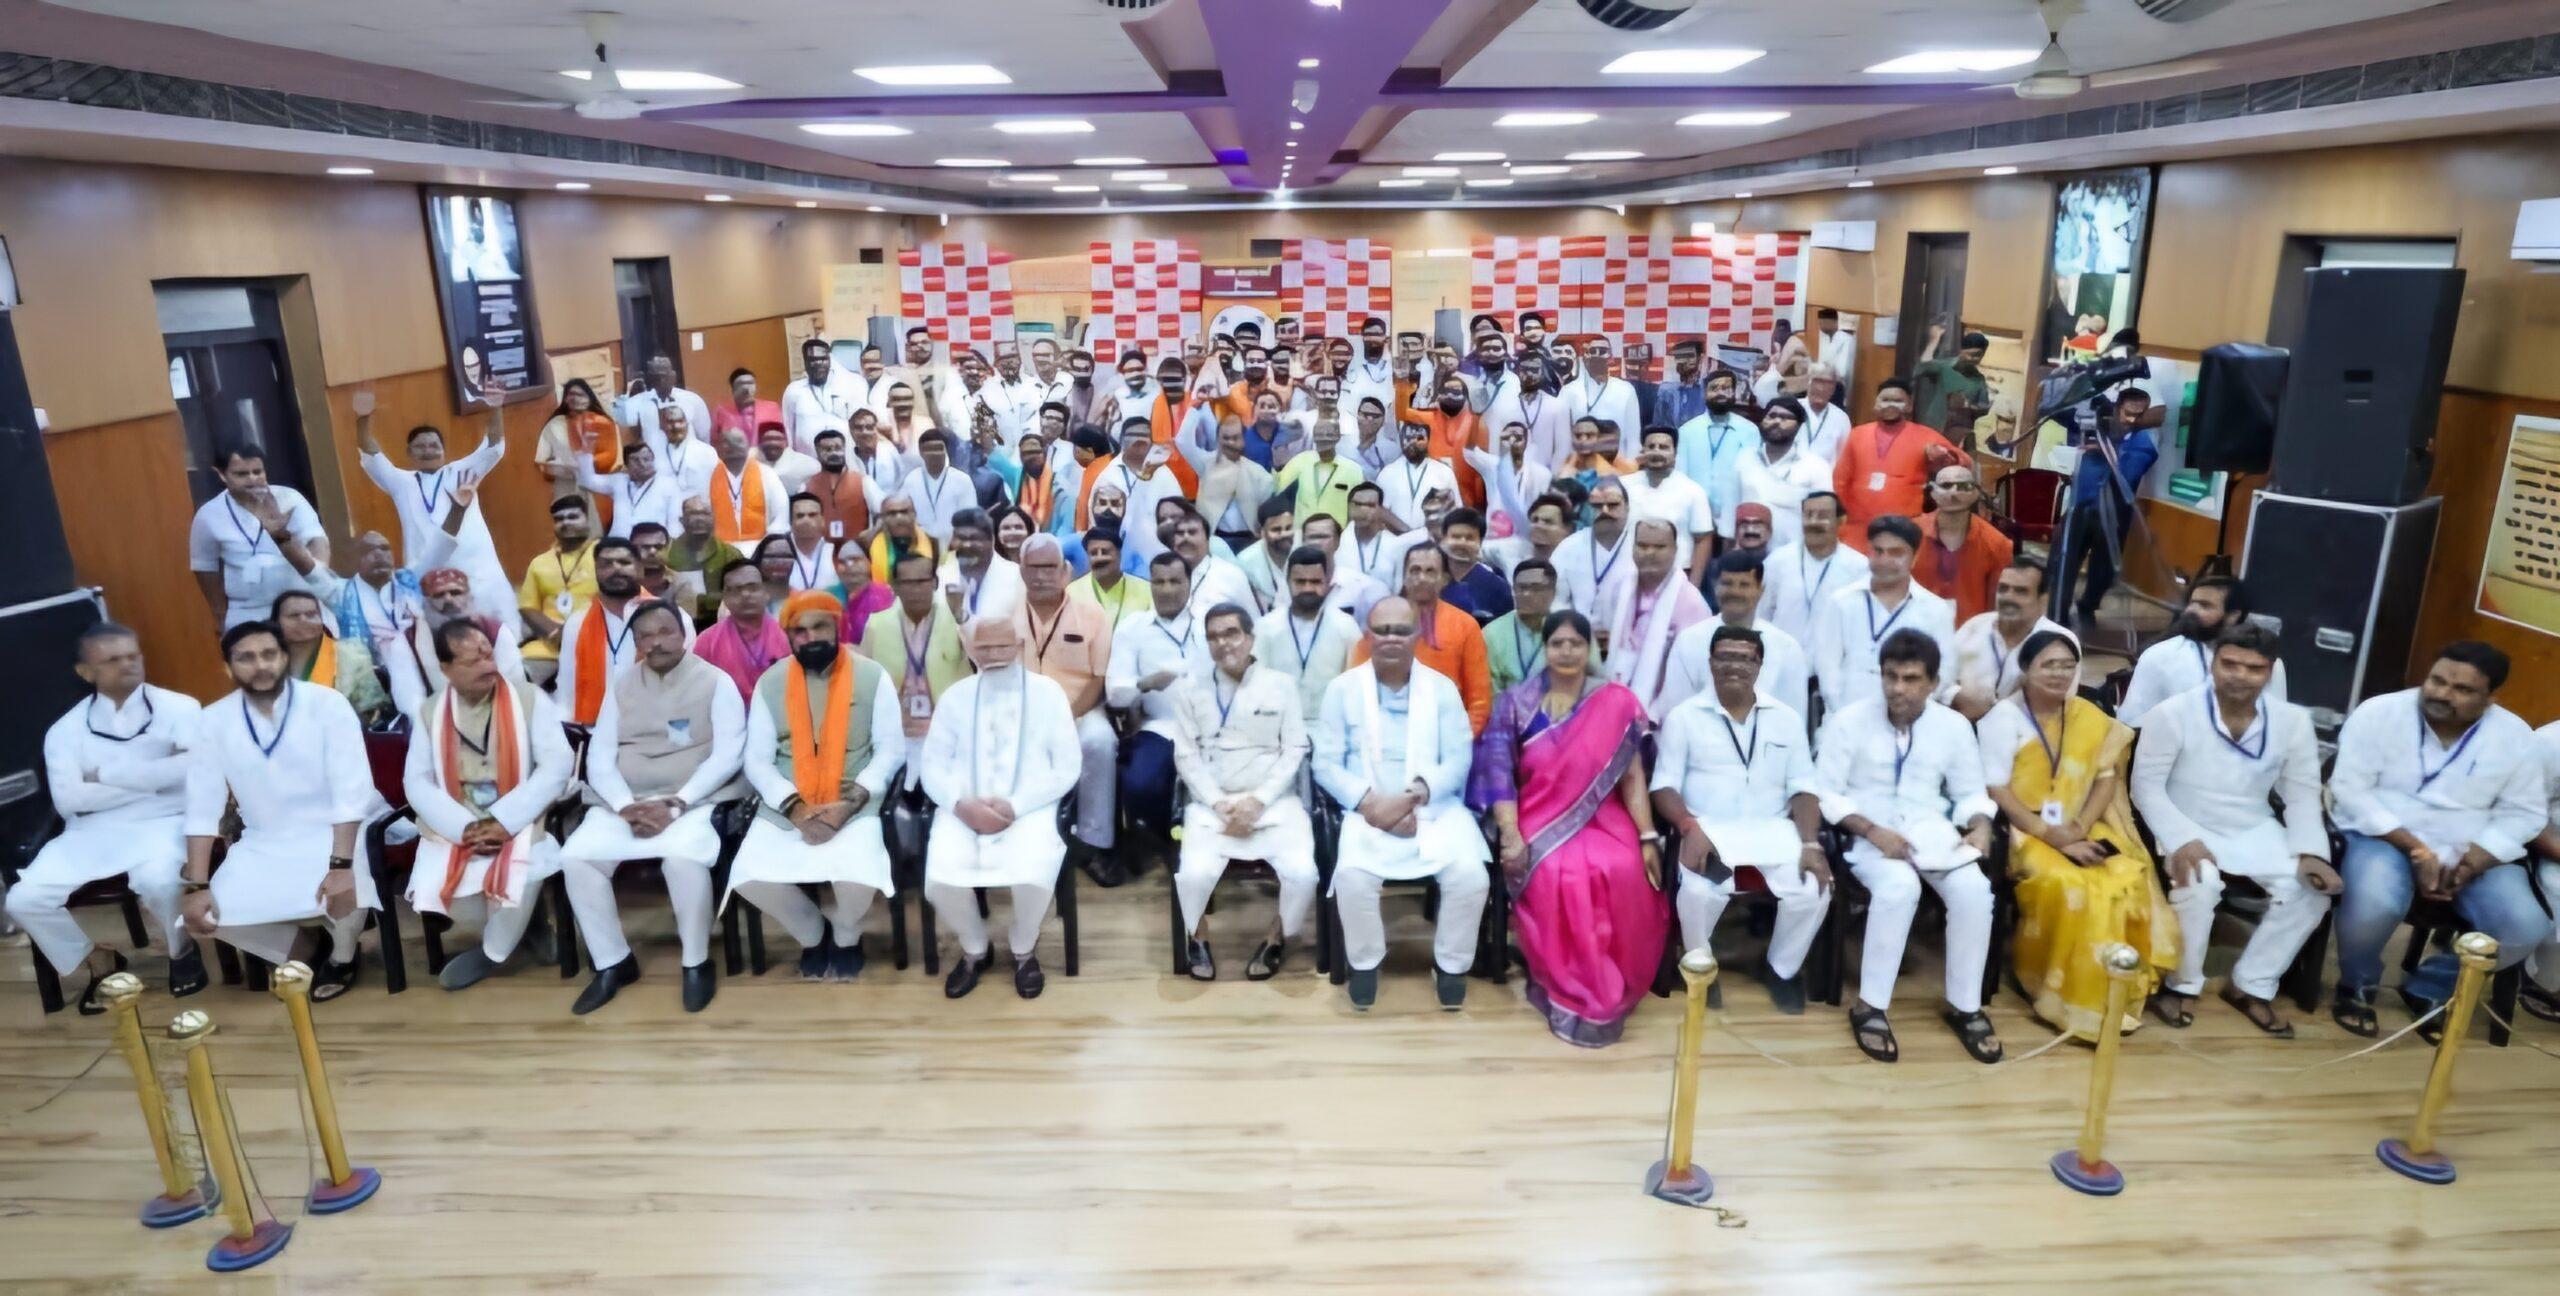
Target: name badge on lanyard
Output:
[(917, 696), (480, 793), (564, 603)]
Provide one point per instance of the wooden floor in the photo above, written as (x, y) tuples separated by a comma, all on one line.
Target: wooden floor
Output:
[(1133, 1132)]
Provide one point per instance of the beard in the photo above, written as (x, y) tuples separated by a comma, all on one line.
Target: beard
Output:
[(618, 585), (2188, 625), (815, 655)]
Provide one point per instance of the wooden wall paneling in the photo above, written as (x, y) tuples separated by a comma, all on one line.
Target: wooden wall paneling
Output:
[(125, 510), (755, 345), (2471, 454)]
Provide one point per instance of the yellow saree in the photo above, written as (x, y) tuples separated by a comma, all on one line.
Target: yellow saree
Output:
[(2067, 911)]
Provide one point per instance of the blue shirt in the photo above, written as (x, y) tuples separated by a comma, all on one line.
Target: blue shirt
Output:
[(1675, 403), (2134, 456), (1711, 450)]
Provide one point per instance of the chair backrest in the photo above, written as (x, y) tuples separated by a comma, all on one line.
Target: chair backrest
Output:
[(388, 754), (2034, 495)]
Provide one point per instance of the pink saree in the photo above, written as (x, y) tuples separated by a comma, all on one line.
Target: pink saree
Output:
[(1588, 921)]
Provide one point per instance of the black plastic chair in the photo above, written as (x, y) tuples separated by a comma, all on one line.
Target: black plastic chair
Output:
[(1851, 902), (1749, 887), (1324, 875), (1064, 896), (22, 853), (1493, 930)]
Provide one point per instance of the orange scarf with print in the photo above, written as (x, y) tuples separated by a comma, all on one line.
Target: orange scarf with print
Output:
[(509, 763), (728, 521), (817, 760)]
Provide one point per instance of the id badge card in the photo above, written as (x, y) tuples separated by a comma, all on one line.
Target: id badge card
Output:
[(835, 529), (2052, 814), (1875, 481), (480, 794), (680, 732), (919, 708), (564, 603)]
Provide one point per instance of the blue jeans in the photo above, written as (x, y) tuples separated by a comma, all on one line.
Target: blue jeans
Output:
[(1146, 782), (2380, 886)]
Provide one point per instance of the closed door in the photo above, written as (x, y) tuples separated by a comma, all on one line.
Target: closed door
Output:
[(1932, 300), (645, 291), (234, 394)]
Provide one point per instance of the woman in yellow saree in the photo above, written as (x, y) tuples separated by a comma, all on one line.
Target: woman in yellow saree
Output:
[(2055, 764)]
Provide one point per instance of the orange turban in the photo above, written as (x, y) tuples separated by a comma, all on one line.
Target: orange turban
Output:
[(803, 602)]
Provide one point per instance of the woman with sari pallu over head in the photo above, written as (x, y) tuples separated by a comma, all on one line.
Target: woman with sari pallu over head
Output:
[(1558, 766), (2056, 763)]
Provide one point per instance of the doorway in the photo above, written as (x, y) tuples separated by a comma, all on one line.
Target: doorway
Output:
[(231, 380), (1932, 301), (645, 290)]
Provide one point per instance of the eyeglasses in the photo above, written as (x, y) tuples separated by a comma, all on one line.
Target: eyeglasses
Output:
[(1961, 487), (1391, 631)]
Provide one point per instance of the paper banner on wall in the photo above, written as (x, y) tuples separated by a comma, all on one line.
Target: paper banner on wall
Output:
[(797, 329), (2520, 570), (960, 292), (1332, 284), (596, 364), (2004, 373), (1730, 289), (1146, 292)]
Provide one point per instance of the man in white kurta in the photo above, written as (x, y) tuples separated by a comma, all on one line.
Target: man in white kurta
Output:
[(2183, 659), (236, 563), (975, 578), (1239, 741), (1784, 675), (291, 756), (664, 754), (1660, 608), (822, 397), (1856, 622), (1800, 578), (999, 757), (939, 491), (420, 496), (485, 764), (1392, 748), (1306, 638), (825, 709), (647, 413), (1659, 492), (1987, 665), (1406, 483), (116, 765), (1782, 471), (2207, 761), (1593, 567), (1899, 774), (1733, 776)]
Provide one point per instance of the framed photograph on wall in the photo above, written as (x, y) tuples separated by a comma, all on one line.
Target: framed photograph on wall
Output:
[(490, 330), (2093, 261)]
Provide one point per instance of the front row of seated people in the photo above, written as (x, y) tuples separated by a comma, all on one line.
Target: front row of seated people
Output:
[(1568, 783)]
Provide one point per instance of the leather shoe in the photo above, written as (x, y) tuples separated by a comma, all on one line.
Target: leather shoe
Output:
[(965, 973), (186, 972), (1452, 987), (700, 983), (1204, 965), (1363, 988), (1028, 979), (467, 969), (815, 960), (1786, 993), (608, 982), (846, 962)]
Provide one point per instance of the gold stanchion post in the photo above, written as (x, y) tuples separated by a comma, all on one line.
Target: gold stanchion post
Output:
[(251, 1240), (347, 1186), (2416, 1156), (2084, 1168), (180, 1200), (1675, 1178)]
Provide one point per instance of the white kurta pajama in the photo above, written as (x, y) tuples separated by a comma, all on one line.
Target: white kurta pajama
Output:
[(544, 767), (687, 847), (296, 775), (1923, 783), (1737, 779), (1785, 673), (1796, 586), (1007, 734), (1850, 633), (1371, 738), (1243, 738), (2192, 783), (775, 859), (118, 775), (423, 498)]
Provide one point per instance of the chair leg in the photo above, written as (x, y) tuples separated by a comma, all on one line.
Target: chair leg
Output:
[(2302, 980), (733, 950), (228, 959), (2503, 992), (2417, 951), (133, 928), (1173, 924), (564, 934), (898, 930), (1341, 958), (925, 932), (395, 958), (260, 973), (431, 929), (1325, 936), (48, 986), (755, 940), (1066, 900)]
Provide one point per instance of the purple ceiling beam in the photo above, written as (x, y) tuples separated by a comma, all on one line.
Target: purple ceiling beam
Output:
[(1259, 43), (856, 107), (1412, 93)]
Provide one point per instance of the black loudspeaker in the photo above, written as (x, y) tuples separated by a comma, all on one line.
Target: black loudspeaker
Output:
[(36, 639), (2232, 426), (2359, 411), (2342, 584), (30, 520)]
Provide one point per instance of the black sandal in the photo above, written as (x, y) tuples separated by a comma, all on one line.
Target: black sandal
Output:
[(1203, 964), (2430, 1029), (186, 972), (1266, 961), (334, 979), (2178, 1018), (1975, 1032), (2353, 1011), (2541, 1003), (1869, 1024), (89, 1005), (2260, 1013)]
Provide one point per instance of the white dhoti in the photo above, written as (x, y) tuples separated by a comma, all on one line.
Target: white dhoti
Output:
[(1281, 838), (502, 915), (1773, 848), (773, 862), (1024, 858), (2264, 855), (269, 885), (1894, 886), (147, 853), (1448, 848), (1098, 787), (685, 852)]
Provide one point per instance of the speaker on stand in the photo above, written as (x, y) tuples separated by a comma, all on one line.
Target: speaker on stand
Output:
[(2358, 418), (2232, 426)]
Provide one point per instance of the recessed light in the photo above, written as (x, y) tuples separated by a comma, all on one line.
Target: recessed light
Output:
[(875, 209), (1941, 62), (1734, 117), (1742, 193), (805, 204), (1679, 62), (715, 197), (1446, 252), (1309, 65), (1546, 119), (1328, 4), (1486, 184), (2000, 170), (1137, 175), (637, 79), (970, 162), (1466, 157), (1297, 126), (1030, 177), (934, 74), (1541, 170), (1604, 155), (1400, 184), (1111, 162), (1076, 189), (1046, 126), (1431, 173), (350, 171), (855, 130), (1165, 188), (571, 186), (1862, 184)]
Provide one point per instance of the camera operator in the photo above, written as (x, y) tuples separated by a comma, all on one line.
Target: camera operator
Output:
[(2112, 464)]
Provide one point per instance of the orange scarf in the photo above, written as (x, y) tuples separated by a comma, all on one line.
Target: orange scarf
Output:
[(1034, 498), (324, 664), (594, 434), (724, 504), (510, 768), (817, 764), (594, 661)]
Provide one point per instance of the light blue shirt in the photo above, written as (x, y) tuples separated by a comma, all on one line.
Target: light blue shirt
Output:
[(1711, 450), (1342, 766)]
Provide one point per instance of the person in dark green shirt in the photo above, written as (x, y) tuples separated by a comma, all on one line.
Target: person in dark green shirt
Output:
[(1952, 392)]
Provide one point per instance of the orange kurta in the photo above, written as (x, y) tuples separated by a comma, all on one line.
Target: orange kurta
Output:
[(1453, 646), (1166, 420), (1450, 437), (1967, 575), (1877, 475)]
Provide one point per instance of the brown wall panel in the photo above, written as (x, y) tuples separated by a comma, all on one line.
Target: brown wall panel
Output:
[(125, 509), (756, 345)]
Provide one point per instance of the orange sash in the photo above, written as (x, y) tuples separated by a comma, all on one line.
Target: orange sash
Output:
[(724, 504), (510, 768), (594, 661), (817, 763), (1165, 424), (324, 663)]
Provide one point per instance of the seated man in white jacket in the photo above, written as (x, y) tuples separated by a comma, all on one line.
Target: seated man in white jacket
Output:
[(484, 767), (1240, 739), (1899, 772)]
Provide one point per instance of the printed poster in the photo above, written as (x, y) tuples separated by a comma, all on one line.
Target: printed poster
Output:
[(2520, 571)]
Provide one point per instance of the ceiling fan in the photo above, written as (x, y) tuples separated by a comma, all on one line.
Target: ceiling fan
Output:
[(2052, 76), (602, 99)]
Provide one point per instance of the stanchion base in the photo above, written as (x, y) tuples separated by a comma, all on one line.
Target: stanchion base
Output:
[(170, 1212), (1694, 1190), (2425, 1167), (231, 1255), (328, 1198), (2100, 1180)]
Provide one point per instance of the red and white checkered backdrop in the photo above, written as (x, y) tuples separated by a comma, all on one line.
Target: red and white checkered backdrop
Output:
[(1331, 284), (1146, 292), (1728, 288), (963, 292)]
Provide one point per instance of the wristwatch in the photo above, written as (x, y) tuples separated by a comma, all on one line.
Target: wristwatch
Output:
[(187, 888), (341, 862)]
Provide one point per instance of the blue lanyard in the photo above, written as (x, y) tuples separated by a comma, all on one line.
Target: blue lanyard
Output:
[(2427, 776), (267, 747), (1227, 703), (811, 572), (2061, 734), (2260, 727), (1181, 645), (1520, 646), (1307, 649), (639, 494), (254, 535), (612, 646), (1813, 585), (426, 498), (1876, 634), (1753, 750), (1602, 578)]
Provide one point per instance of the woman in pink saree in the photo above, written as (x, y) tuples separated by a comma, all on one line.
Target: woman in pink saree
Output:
[(1557, 766)]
